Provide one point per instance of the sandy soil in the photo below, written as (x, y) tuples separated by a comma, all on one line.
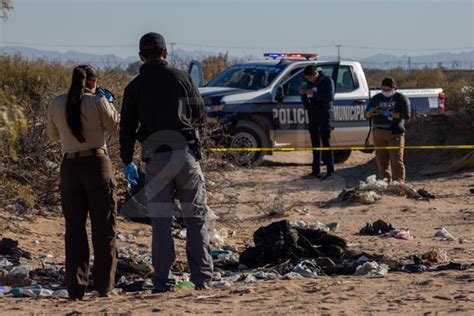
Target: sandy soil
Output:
[(234, 196)]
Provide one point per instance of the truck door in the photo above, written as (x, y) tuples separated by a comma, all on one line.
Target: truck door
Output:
[(290, 119), (351, 100), (195, 71)]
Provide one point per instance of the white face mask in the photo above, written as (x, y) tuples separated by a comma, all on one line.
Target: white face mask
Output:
[(387, 94)]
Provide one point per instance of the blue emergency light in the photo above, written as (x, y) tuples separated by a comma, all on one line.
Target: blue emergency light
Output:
[(290, 55)]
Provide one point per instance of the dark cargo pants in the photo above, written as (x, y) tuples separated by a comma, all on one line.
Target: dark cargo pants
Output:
[(169, 174), (87, 186), (320, 132)]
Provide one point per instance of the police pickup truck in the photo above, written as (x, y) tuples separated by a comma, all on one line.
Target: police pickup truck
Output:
[(259, 102)]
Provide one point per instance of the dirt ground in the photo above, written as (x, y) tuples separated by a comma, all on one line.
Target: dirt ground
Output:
[(234, 195)]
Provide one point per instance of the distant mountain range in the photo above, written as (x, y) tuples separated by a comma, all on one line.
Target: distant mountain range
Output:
[(94, 59), (463, 60)]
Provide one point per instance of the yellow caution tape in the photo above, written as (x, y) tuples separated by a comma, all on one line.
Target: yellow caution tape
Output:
[(223, 149)]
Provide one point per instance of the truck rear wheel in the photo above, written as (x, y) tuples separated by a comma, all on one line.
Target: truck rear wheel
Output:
[(341, 155), (248, 135)]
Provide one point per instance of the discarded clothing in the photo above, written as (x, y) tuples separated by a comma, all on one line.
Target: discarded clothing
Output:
[(10, 250), (372, 268), (280, 243), (443, 234), (307, 269), (454, 266)]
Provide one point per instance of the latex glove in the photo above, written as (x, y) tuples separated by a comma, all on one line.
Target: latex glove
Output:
[(386, 113), (109, 96), (131, 174)]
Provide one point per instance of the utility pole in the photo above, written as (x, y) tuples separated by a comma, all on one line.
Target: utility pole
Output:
[(409, 64), (338, 52)]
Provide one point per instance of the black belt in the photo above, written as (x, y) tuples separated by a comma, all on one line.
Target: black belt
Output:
[(85, 153)]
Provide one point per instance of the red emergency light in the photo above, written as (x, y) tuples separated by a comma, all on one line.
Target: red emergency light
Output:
[(290, 55)]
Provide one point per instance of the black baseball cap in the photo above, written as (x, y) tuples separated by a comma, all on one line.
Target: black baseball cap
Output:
[(151, 42), (389, 82)]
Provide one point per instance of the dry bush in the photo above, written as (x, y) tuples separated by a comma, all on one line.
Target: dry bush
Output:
[(26, 89), (275, 205)]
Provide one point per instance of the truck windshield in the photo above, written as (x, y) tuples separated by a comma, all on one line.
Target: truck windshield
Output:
[(247, 77)]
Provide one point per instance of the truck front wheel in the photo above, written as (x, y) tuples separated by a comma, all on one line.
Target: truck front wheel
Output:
[(250, 136)]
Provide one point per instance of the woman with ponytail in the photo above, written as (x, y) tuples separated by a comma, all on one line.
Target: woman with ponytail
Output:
[(79, 120)]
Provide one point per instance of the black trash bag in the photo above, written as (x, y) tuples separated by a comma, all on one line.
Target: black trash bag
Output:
[(135, 206)]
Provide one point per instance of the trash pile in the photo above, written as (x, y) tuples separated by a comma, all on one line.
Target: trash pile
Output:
[(285, 250), (371, 190)]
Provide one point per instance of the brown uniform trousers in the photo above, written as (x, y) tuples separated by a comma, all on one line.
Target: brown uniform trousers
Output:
[(87, 186), (391, 158)]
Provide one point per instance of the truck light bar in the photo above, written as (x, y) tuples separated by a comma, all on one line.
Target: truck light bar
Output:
[(290, 55)]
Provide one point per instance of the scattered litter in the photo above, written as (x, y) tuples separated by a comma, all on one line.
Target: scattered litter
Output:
[(443, 234), (5, 263), (10, 250), (425, 194), (14, 282), (135, 286), (292, 276), (18, 291), (372, 268), (379, 227), (454, 266), (355, 195), (416, 267), (185, 284), (50, 164), (402, 188), (61, 293), (218, 237), (242, 290), (372, 184), (316, 225), (20, 272), (435, 256), (307, 269), (205, 297), (15, 208), (401, 234), (37, 293), (127, 238), (221, 254), (182, 234), (369, 197)]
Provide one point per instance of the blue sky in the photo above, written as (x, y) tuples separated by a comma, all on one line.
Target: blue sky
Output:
[(244, 27)]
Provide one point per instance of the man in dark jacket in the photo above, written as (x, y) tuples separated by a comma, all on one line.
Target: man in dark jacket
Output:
[(162, 109), (317, 98)]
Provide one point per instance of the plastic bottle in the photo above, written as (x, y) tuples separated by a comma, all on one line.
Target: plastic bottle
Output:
[(18, 291)]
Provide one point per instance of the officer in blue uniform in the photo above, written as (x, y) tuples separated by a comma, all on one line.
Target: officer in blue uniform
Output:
[(318, 97)]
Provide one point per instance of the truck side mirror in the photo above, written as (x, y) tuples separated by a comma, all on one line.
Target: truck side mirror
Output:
[(279, 94)]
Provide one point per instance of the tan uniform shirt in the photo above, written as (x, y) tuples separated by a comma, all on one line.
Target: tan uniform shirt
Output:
[(97, 115)]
